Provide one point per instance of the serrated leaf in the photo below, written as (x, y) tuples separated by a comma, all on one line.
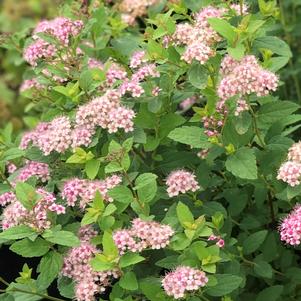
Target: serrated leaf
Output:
[(226, 284), (28, 248), (130, 259)]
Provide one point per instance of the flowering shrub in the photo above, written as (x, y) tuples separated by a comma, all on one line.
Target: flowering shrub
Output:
[(159, 163)]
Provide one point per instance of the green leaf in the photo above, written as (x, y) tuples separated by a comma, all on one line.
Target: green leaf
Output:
[(6, 297), (237, 52), (92, 168), (226, 284), (17, 232), (224, 28), (198, 76), (272, 293), (101, 263), (242, 164), (28, 248), (64, 238), (109, 247), (49, 267), (146, 186), (276, 110), (254, 241), (129, 281), (151, 288), (121, 194), (130, 259), (11, 154), (275, 44), (184, 215), (191, 135), (263, 269), (86, 80), (26, 194), (65, 286)]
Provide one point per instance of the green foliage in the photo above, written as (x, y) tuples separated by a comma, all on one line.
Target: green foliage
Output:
[(234, 156)]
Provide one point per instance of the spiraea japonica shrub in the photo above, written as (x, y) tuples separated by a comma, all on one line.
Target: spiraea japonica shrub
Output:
[(159, 162)]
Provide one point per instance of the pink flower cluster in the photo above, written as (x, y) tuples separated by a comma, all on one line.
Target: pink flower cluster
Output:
[(49, 136), (16, 214), (30, 84), (131, 9), (31, 168), (11, 167), (181, 181), (290, 227), (60, 28), (142, 235), (219, 241), (84, 190), (183, 280), (245, 77), (76, 266), (58, 135), (290, 171), (241, 106), (188, 102)]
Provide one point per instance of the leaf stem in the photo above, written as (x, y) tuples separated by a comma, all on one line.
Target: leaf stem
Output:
[(256, 128), (15, 289)]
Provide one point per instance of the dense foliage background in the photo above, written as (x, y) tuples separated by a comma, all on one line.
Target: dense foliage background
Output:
[(226, 112)]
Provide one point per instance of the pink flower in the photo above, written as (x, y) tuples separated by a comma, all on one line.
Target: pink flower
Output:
[(84, 190), (76, 266), (241, 106), (137, 59), (290, 227), (29, 84), (39, 50), (142, 235), (294, 152), (183, 280), (188, 102), (181, 181), (16, 214), (245, 77), (31, 168), (290, 173), (219, 241)]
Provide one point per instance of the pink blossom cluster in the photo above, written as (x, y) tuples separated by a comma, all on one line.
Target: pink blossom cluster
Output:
[(188, 102), (76, 266), (245, 77), (49, 136), (290, 171), (84, 191), (241, 106), (181, 181), (60, 28), (183, 280), (198, 37), (39, 50), (131, 9), (219, 241), (203, 153), (58, 135), (30, 84), (32, 168), (132, 85), (290, 227), (16, 214), (11, 167), (142, 235)]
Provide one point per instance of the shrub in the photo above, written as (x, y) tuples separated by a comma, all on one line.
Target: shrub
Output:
[(159, 161)]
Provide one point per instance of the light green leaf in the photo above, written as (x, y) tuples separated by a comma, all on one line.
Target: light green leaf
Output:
[(28, 248), (130, 259), (64, 238), (190, 135)]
